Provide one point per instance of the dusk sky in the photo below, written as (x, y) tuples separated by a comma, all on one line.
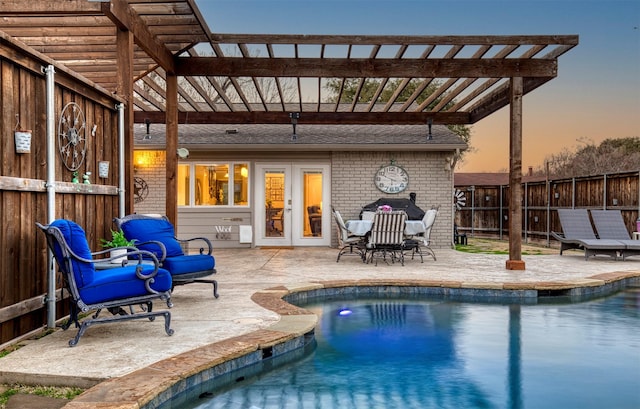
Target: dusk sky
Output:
[(595, 96)]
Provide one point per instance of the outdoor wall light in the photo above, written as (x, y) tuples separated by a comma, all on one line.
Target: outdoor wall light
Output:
[(535, 219), (147, 122), (615, 202), (294, 121), (556, 195), (183, 153), (487, 198)]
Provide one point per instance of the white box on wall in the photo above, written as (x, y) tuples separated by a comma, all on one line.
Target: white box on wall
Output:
[(246, 234)]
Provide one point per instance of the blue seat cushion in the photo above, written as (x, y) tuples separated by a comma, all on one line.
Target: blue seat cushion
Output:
[(157, 229), (122, 282), (189, 264), (76, 239)]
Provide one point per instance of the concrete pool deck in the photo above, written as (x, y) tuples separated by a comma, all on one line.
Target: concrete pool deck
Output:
[(132, 362)]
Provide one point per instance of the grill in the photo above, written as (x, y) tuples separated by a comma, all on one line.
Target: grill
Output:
[(408, 205)]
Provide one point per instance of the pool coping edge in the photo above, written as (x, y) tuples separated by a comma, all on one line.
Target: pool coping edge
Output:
[(146, 387)]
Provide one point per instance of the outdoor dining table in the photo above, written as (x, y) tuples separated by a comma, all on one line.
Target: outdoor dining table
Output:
[(362, 227)]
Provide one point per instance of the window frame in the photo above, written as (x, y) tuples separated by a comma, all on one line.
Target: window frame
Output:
[(231, 164)]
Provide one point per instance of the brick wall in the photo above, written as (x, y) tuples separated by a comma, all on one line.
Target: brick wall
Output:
[(351, 188), (352, 185), (150, 167)]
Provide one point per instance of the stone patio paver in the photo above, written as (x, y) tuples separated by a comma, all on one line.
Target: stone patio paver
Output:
[(244, 318)]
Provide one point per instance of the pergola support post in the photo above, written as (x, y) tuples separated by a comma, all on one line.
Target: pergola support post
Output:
[(125, 90), (515, 261), (172, 149)]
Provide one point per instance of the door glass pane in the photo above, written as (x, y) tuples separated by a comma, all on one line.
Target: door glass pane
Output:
[(274, 199), (312, 196)]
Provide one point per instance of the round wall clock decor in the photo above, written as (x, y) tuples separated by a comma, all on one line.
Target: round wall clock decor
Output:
[(391, 179)]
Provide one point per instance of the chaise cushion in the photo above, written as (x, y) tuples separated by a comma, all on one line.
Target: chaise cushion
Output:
[(122, 282), (76, 239), (189, 264), (148, 229)]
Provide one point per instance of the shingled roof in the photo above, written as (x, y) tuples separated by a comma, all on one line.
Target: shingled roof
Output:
[(276, 137)]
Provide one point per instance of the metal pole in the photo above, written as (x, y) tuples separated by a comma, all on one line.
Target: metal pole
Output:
[(121, 184), (548, 205), (473, 209), (604, 192), (526, 211), (501, 215), (51, 189)]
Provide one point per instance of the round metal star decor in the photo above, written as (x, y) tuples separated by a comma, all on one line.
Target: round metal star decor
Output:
[(71, 136), (140, 189)]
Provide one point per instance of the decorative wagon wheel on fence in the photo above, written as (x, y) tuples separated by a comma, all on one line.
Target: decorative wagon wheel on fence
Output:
[(459, 199), (71, 136)]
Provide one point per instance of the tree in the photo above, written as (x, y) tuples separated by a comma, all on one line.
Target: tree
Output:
[(611, 156), (346, 91)]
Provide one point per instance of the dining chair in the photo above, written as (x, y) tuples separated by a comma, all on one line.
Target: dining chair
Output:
[(424, 239), (348, 243), (387, 237)]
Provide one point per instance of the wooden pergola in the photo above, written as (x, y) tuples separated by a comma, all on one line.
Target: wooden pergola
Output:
[(160, 56)]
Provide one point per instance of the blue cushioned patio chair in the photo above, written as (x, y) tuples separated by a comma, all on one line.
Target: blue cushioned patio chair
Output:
[(157, 235), (128, 284)]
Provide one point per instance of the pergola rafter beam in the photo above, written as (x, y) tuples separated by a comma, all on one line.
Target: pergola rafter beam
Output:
[(310, 118), (357, 68), (220, 38), (500, 98), (125, 18)]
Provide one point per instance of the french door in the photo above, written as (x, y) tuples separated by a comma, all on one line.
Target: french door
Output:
[(292, 204)]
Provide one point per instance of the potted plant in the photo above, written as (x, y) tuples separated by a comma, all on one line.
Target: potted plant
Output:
[(117, 240)]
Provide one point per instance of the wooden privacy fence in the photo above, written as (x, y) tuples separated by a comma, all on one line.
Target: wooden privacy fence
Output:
[(486, 210), (26, 194)]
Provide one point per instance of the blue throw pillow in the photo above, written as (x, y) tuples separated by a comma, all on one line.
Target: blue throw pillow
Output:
[(143, 230), (76, 239)]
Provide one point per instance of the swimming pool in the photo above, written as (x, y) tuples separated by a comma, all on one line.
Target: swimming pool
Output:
[(432, 351)]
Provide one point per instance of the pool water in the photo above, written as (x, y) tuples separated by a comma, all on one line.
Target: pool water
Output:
[(439, 353)]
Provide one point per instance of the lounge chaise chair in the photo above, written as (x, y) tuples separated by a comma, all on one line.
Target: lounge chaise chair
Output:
[(123, 285), (610, 225), (577, 233)]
